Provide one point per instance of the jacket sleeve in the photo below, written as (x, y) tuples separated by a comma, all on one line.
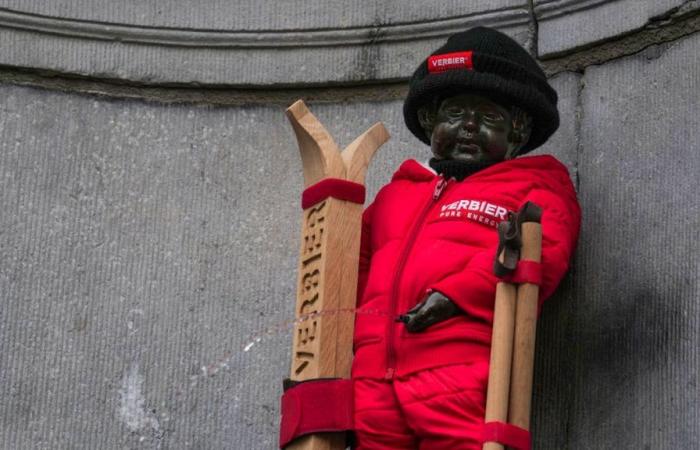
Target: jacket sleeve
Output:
[(473, 287), (365, 252)]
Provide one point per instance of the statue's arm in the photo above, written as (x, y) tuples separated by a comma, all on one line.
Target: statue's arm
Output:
[(561, 221), (434, 308)]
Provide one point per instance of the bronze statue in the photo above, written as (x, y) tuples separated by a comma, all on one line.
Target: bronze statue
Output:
[(431, 236)]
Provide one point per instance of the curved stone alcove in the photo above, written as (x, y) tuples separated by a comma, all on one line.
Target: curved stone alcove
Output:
[(149, 198)]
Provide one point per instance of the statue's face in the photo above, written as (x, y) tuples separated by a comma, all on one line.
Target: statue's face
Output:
[(470, 127)]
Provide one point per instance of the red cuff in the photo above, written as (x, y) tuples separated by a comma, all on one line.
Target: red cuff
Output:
[(506, 434), (332, 187), (525, 272), (316, 406)]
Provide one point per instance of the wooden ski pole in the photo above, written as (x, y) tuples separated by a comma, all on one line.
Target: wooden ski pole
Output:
[(509, 391), (328, 265), (525, 323), (501, 341)]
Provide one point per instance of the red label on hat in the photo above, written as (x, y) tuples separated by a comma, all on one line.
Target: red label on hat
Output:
[(449, 61)]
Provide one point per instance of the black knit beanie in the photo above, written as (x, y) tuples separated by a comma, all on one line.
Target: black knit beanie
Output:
[(487, 62)]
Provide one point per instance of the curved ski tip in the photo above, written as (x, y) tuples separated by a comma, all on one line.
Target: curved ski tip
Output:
[(379, 132), (297, 110)]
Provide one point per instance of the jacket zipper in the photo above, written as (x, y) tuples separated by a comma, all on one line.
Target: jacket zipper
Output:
[(391, 351)]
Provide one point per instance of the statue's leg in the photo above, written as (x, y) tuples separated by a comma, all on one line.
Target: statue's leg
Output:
[(445, 405), (379, 421)]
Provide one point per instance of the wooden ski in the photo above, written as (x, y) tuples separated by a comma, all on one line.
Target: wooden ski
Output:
[(328, 264)]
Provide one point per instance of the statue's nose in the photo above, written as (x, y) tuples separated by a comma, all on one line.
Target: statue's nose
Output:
[(470, 124)]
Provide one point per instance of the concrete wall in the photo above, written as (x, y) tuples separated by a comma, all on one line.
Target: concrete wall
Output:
[(149, 188)]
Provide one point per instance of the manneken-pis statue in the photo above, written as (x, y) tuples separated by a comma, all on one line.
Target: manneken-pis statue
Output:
[(430, 237)]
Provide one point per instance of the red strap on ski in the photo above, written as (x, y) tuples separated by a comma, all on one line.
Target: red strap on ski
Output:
[(332, 187), (316, 406), (506, 434), (525, 272)]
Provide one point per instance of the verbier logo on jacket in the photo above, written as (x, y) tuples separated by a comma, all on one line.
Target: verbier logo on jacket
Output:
[(476, 210)]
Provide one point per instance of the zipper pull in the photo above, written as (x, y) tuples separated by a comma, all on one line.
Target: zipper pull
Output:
[(439, 187)]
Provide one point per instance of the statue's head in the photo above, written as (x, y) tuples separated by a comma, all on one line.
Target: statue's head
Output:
[(481, 97), (475, 128)]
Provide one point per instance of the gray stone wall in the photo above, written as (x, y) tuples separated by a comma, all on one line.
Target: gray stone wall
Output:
[(149, 189)]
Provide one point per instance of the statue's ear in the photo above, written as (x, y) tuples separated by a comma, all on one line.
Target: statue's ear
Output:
[(520, 132), (426, 118)]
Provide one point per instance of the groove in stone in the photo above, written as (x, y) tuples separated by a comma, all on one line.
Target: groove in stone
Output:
[(179, 37), (556, 8)]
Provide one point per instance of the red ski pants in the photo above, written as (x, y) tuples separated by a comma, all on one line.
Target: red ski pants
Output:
[(434, 409)]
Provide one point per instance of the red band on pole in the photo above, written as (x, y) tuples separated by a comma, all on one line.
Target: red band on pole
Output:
[(525, 272), (316, 406), (333, 187), (506, 434)]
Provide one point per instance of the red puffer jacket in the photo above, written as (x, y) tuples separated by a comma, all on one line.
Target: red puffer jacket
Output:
[(423, 233)]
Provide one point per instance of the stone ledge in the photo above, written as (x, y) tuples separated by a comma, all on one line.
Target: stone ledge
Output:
[(385, 48), (257, 15), (658, 35), (253, 39), (568, 25)]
